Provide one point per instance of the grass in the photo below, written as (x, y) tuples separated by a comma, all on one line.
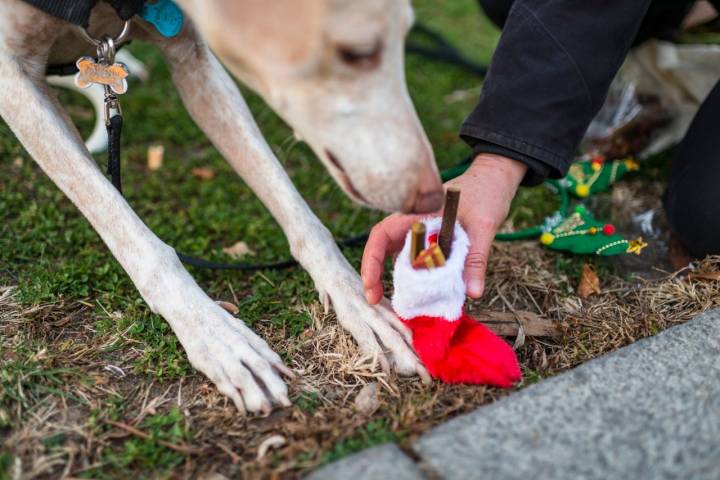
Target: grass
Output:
[(51, 252), (27, 377), (55, 258), (82, 353), (308, 402), (147, 453), (374, 433)]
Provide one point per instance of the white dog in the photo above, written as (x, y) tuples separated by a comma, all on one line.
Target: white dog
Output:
[(333, 69)]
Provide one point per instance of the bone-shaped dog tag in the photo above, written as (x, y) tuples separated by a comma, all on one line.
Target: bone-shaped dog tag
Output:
[(91, 72)]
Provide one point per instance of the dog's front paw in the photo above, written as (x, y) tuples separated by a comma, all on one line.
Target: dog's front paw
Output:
[(240, 363), (376, 328)]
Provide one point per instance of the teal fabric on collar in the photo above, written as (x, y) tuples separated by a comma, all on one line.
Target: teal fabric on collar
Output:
[(165, 16)]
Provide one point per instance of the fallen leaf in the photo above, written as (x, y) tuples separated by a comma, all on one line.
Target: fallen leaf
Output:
[(231, 308), (589, 282), (204, 173), (239, 250), (155, 156), (367, 400), (99, 379), (273, 441), (450, 136)]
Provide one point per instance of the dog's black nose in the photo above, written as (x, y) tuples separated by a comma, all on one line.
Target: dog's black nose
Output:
[(427, 196), (424, 202)]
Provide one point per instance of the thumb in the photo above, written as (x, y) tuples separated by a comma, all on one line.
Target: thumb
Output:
[(481, 238)]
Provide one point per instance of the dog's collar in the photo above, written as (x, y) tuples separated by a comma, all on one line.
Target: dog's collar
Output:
[(78, 11)]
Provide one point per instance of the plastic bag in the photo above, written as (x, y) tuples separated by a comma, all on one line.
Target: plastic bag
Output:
[(653, 99), (627, 121)]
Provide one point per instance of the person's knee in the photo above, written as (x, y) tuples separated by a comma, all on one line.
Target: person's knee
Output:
[(694, 219), (496, 10), (692, 198)]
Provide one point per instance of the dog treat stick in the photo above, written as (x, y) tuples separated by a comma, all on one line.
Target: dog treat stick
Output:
[(417, 241), (445, 238), (429, 258)]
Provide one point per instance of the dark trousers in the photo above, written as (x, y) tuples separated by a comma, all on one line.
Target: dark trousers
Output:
[(692, 198)]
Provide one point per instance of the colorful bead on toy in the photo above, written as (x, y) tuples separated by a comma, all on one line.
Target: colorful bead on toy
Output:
[(580, 233), (588, 177)]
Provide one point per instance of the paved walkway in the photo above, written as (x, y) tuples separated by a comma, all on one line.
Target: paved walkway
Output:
[(647, 411)]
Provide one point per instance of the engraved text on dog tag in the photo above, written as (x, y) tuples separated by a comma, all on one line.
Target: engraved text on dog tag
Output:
[(90, 71)]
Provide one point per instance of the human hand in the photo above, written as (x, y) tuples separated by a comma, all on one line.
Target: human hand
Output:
[(488, 187)]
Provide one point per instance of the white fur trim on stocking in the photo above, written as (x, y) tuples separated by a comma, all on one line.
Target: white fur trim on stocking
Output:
[(438, 292)]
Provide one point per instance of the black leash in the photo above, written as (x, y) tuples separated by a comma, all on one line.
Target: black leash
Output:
[(350, 242), (114, 128), (444, 52)]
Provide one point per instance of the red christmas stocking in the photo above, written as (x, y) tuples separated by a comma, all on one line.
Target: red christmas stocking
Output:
[(453, 346)]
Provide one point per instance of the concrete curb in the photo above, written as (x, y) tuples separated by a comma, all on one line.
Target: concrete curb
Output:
[(378, 463), (649, 410)]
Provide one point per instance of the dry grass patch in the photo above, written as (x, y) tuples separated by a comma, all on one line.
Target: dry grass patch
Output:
[(72, 404)]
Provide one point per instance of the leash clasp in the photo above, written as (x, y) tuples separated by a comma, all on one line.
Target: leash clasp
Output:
[(111, 106)]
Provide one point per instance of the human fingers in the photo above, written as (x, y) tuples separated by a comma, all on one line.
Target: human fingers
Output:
[(385, 238)]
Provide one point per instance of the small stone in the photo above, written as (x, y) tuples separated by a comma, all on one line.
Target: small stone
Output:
[(238, 250), (212, 476), (367, 401)]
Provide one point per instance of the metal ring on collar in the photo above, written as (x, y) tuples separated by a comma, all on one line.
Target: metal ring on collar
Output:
[(106, 49), (122, 36)]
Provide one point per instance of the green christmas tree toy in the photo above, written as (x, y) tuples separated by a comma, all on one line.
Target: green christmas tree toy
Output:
[(595, 174), (580, 233), (576, 231)]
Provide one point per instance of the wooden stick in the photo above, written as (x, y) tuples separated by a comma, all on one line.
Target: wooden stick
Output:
[(417, 240), (507, 324), (447, 230)]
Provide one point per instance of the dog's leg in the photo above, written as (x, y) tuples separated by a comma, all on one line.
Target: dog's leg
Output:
[(97, 141), (219, 345), (216, 104)]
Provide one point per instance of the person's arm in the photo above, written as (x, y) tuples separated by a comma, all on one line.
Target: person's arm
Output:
[(487, 188), (548, 78)]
